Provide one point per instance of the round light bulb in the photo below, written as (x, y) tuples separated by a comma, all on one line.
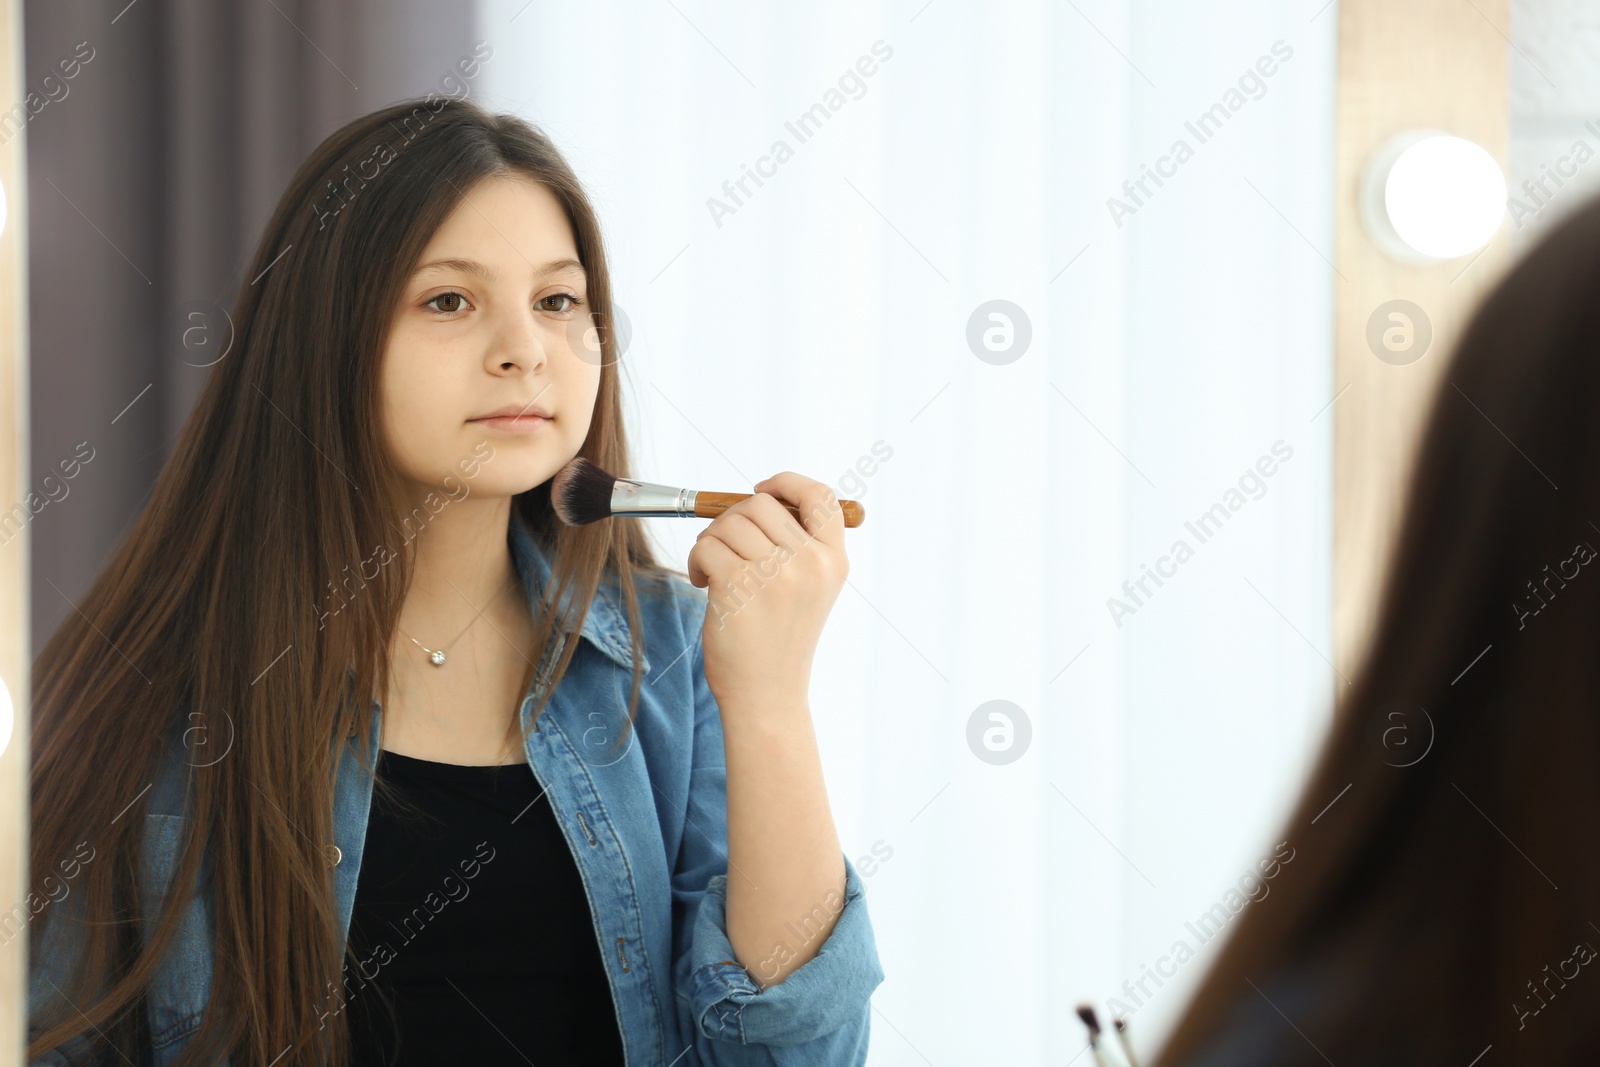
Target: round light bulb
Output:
[(1429, 196)]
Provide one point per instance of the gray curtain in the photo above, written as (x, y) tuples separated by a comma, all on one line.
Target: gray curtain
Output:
[(152, 170)]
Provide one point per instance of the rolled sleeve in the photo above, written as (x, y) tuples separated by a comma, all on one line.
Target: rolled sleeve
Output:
[(827, 997), (821, 1012)]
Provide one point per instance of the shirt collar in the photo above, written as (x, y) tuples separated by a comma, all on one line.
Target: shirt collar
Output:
[(605, 626)]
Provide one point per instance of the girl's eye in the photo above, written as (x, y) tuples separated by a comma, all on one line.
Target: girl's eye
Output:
[(543, 302), (453, 298), (452, 302)]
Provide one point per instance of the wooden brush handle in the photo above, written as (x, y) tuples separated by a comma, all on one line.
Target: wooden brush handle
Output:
[(709, 505)]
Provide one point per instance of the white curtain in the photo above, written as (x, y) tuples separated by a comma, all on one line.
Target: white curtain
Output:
[(835, 318)]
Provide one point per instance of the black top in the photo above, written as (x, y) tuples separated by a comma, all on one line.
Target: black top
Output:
[(471, 919)]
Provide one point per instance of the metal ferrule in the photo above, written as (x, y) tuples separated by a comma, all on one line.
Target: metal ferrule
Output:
[(629, 497)]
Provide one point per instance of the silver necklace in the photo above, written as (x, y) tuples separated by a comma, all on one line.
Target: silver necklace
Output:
[(436, 655)]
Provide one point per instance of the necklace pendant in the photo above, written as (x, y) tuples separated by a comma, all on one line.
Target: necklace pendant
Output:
[(437, 659)]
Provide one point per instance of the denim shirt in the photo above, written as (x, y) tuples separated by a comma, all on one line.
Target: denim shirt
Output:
[(647, 827)]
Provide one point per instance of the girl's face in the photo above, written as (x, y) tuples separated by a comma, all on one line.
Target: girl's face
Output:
[(492, 322)]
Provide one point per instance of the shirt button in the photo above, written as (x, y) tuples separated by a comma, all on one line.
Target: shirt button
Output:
[(334, 855)]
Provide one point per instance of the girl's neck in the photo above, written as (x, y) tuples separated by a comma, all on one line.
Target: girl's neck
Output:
[(463, 568)]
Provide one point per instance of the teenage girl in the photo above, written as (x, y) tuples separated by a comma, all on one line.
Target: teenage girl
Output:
[(354, 753)]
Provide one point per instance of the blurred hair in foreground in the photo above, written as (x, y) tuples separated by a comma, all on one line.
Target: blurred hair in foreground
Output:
[(1448, 901)]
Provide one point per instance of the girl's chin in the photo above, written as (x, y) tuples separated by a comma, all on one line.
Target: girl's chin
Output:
[(507, 482)]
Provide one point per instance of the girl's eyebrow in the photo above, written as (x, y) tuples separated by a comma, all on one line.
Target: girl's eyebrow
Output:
[(472, 266)]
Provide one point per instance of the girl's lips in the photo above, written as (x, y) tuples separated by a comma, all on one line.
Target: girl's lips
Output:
[(514, 423)]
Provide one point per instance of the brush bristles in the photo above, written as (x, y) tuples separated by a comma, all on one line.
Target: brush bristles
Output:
[(581, 493)]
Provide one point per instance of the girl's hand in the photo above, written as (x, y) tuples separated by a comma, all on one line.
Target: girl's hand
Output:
[(770, 585)]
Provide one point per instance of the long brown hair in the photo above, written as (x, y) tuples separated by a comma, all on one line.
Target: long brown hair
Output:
[(1440, 896), (216, 602)]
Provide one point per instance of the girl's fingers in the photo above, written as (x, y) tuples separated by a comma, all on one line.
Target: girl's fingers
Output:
[(821, 516), (759, 526), (740, 532), (776, 524), (708, 559)]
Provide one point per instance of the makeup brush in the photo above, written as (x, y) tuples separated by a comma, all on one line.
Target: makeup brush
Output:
[(582, 493), (1127, 1044), (1090, 1020)]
